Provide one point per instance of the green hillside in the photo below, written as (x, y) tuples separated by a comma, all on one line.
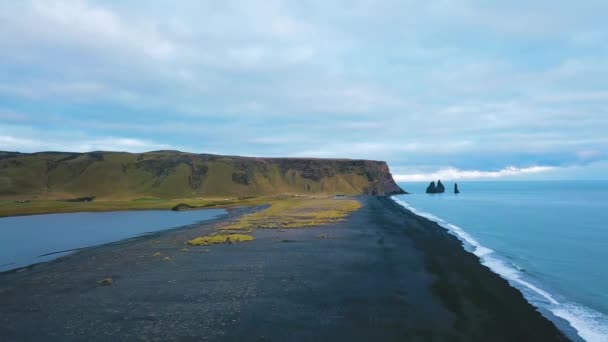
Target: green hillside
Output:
[(174, 174)]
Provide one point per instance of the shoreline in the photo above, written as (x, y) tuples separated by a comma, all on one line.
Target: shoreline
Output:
[(571, 334), (383, 273), (472, 246), (229, 213), (563, 312), (10, 208)]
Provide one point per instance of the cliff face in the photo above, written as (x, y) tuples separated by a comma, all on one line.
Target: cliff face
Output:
[(173, 174)]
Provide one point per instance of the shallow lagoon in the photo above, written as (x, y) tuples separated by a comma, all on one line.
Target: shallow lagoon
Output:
[(26, 240)]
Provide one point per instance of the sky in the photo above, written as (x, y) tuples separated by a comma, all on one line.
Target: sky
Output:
[(450, 89)]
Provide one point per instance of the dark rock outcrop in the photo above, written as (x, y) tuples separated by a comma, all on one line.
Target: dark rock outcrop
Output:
[(382, 180), (240, 178), (182, 207), (431, 189), (456, 191), (435, 189), (81, 199), (440, 188)]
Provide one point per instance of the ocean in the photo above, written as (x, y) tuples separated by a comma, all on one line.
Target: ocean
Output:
[(548, 239)]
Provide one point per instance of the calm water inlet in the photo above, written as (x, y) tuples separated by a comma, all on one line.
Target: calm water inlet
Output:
[(25, 240)]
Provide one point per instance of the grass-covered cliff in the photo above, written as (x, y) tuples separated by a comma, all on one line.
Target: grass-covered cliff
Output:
[(173, 174)]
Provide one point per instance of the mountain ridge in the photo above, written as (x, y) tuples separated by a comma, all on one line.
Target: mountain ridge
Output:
[(176, 174)]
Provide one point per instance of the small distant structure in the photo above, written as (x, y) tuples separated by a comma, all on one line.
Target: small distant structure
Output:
[(456, 191)]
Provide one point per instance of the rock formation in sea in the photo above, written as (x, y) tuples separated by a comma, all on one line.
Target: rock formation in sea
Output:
[(431, 189), (456, 191), (440, 188), (435, 189)]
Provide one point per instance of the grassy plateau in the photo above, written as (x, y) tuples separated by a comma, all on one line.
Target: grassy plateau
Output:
[(141, 180)]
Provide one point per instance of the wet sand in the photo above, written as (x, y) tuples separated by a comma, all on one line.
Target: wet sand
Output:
[(383, 274)]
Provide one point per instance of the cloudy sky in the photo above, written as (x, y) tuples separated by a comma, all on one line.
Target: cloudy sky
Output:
[(460, 89)]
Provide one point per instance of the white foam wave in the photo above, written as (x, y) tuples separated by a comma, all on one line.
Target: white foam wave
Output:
[(590, 325)]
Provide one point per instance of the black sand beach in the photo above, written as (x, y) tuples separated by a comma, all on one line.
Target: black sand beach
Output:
[(384, 274)]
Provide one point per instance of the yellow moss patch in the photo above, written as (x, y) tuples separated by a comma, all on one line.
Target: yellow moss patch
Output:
[(294, 213), (217, 239), (106, 281)]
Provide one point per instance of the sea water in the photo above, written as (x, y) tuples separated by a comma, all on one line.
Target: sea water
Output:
[(26, 240), (548, 239)]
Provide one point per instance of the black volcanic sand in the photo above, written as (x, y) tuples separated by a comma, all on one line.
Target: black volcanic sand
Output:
[(384, 274)]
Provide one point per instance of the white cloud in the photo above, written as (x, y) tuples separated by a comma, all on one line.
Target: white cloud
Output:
[(119, 144), (457, 174), (408, 82), (77, 144), (84, 24)]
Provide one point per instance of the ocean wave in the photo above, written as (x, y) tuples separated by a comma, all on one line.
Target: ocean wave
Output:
[(589, 324)]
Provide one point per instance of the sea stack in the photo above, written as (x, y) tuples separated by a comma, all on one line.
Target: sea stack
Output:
[(435, 189), (440, 188), (431, 189), (456, 191)]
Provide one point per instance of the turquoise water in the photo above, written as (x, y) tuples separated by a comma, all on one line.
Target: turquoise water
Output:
[(549, 239), (26, 240)]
